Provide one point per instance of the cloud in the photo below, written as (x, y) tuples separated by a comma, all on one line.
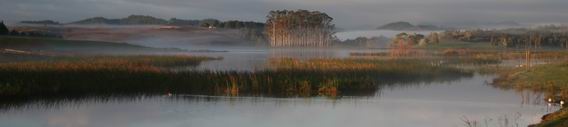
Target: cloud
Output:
[(348, 14)]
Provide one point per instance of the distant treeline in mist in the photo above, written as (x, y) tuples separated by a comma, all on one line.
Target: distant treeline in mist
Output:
[(288, 28), (149, 20), (548, 36), (372, 42), (253, 31), (5, 31), (283, 28), (42, 22)]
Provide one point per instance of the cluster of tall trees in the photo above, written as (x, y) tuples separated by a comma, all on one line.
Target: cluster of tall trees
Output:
[(402, 44), (288, 28)]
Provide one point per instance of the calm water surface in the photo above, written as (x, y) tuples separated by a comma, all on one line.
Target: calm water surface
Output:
[(443, 104), (433, 104)]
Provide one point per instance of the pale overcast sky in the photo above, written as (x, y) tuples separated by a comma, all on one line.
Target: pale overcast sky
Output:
[(347, 13)]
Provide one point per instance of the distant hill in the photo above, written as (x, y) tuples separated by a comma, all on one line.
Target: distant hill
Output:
[(398, 26), (130, 20), (407, 26), (181, 22), (42, 22), (96, 20)]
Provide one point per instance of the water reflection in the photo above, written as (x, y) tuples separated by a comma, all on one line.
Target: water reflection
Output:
[(436, 104)]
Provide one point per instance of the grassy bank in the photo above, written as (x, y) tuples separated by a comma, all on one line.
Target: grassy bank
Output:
[(148, 75), (549, 78)]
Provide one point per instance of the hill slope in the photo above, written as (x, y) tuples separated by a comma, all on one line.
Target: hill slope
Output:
[(60, 46), (130, 20), (407, 26)]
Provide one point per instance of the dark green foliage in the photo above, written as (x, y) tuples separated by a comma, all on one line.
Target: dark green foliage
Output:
[(3, 29)]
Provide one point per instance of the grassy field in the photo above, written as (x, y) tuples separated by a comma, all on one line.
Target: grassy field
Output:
[(541, 77)]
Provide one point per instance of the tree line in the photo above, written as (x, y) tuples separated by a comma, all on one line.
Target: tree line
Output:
[(518, 38), (288, 28), (5, 31), (149, 20), (368, 42)]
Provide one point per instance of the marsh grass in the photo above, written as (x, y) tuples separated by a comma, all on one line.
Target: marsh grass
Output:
[(150, 74)]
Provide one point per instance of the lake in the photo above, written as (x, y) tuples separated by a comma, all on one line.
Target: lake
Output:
[(443, 104), (447, 102)]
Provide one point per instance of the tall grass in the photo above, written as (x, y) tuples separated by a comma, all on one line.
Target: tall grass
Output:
[(289, 77)]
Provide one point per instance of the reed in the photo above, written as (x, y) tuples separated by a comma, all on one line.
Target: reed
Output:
[(150, 75)]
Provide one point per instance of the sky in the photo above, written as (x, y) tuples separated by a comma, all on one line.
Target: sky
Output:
[(348, 14)]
